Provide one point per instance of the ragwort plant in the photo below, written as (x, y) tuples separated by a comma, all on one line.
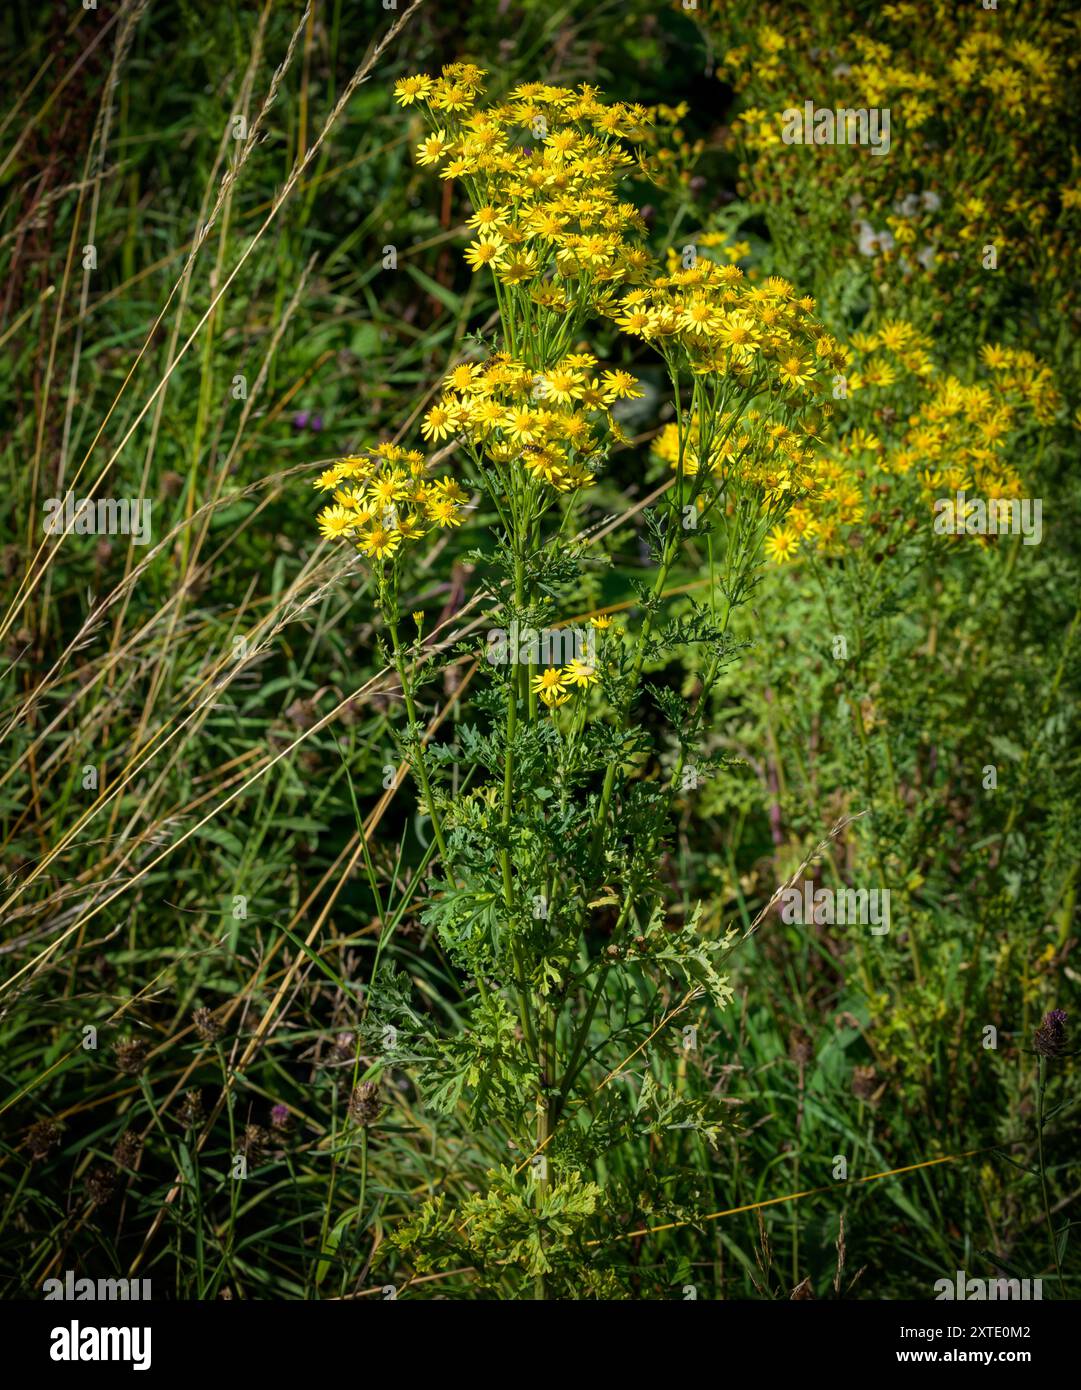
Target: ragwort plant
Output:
[(960, 652), (548, 891)]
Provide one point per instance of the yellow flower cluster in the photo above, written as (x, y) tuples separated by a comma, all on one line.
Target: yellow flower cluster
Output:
[(1022, 373), (710, 318), (557, 423), (555, 685), (769, 455), (960, 439), (980, 151), (877, 360), (915, 75), (542, 171), (382, 499)]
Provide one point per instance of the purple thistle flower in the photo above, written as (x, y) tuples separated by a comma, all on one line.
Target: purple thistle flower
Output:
[(1049, 1039)]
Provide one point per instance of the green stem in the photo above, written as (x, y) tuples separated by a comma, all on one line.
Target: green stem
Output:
[(671, 547), (421, 765), (1041, 1086)]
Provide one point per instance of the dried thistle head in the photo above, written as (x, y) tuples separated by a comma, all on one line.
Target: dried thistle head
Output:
[(191, 1109), (255, 1142), (42, 1137), (206, 1025), (131, 1055), (127, 1149), (1050, 1040), (100, 1184), (864, 1082), (364, 1103)]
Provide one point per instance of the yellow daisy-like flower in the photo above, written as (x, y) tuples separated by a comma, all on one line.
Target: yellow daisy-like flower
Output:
[(411, 527), (794, 371), (895, 335), (636, 321), (520, 267), (488, 250), (438, 423), (522, 426), (545, 464), (355, 466), (461, 378), (452, 97), (485, 415), (620, 386), (410, 89), (994, 356), (739, 335), (561, 385), (432, 150), (336, 521), (551, 685), (580, 673), (329, 478), (387, 489), (450, 490), (379, 542), (488, 218), (543, 222), (782, 543), (444, 512), (700, 317)]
